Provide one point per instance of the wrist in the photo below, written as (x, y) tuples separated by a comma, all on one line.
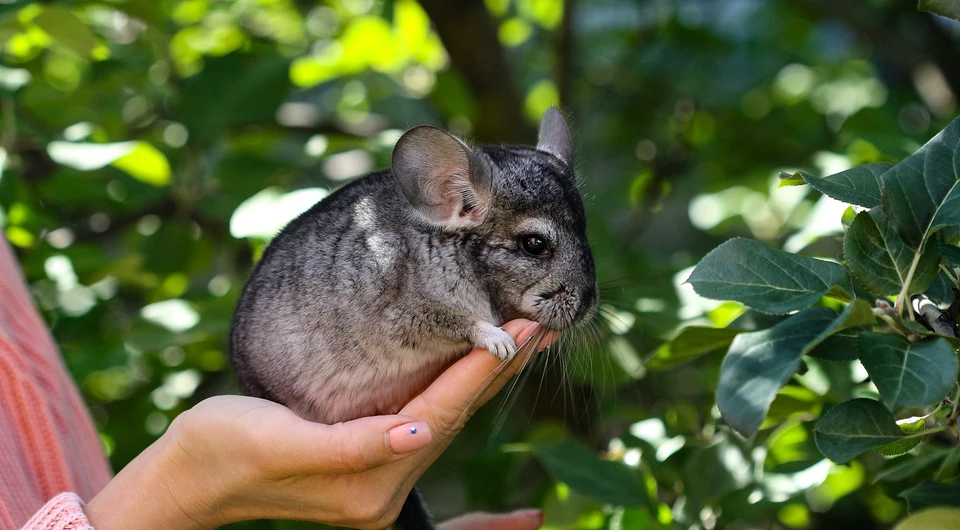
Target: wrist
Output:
[(158, 489)]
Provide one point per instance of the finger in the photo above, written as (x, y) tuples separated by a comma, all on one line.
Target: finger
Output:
[(518, 520), (467, 384), (351, 447)]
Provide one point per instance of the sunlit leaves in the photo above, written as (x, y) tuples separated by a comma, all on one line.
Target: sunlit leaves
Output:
[(922, 192), (764, 278), (264, 214), (372, 42), (881, 261), (909, 373), (541, 97), (853, 427), (145, 163), (66, 29), (140, 160)]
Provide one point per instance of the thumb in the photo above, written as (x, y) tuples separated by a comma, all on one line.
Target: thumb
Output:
[(353, 446)]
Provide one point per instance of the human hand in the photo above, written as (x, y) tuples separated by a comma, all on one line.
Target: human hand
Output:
[(232, 458), (518, 520)]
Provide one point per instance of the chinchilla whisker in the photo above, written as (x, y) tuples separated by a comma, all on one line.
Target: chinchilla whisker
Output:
[(513, 392)]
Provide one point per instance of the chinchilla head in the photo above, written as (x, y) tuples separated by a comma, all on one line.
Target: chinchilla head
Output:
[(517, 211)]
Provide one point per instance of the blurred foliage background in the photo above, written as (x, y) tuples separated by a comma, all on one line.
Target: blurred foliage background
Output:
[(150, 149)]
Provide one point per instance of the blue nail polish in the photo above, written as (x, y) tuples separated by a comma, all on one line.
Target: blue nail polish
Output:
[(413, 430)]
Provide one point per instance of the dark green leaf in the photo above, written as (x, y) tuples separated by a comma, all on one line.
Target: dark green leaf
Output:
[(842, 346), (948, 469), (603, 480), (689, 344), (929, 493), (853, 427), (941, 289), (880, 260), (952, 253), (858, 185), (759, 363), (66, 29), (922, 192), (944, 8), (908, 373), (907, 466), (764, 278)]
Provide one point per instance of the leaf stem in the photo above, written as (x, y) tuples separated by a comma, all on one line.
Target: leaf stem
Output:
[(939, 428), (904, 291), (956, 402)]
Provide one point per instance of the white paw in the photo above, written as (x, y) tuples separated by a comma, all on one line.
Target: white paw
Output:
[(495, 340)]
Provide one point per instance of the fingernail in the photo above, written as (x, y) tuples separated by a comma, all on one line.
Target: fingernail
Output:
[(531, 513), (527, 331), (408, 437)]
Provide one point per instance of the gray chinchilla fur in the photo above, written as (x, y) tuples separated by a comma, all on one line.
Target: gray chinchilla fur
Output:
[(359, 303)]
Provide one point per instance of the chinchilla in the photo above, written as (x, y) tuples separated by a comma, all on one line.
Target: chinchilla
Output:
[(360, 302)]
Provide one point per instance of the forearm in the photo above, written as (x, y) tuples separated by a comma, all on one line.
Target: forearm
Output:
[(154, 491)]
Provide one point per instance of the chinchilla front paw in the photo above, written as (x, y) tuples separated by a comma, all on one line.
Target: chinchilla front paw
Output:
[(495, 340)]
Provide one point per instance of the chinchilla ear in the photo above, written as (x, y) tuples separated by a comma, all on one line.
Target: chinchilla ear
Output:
[(444, 180), (554, 136)]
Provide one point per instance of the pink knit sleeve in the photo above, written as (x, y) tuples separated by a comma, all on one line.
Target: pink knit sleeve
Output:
[(63, 512)]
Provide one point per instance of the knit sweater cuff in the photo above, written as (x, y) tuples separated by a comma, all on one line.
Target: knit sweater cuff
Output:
[(63, 512)]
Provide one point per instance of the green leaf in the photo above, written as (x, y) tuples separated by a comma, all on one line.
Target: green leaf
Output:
[(952, 253), (880, 260), (907, 466), (691, 343), (908, 373), (68, 30), (843, 346), (759, 363), (145, 163), (929, 493), (141, 160), (791, 179), (948, 469), (764, 278), (603, 480), (713, 471), (858, 185), (922, 192), (854, 427), (944, 8), (932, 519), (230, 90), (903, 445)]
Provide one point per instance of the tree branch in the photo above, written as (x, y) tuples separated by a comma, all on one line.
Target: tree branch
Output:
[(469, 34)]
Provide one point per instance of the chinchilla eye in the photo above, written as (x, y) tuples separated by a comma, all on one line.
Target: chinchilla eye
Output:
[(533, 244)]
